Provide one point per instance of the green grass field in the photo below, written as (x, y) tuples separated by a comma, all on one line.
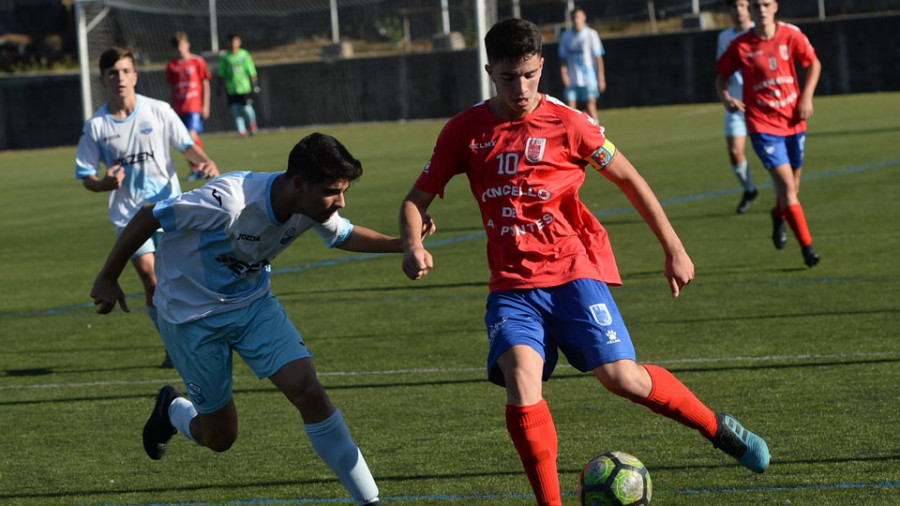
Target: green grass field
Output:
[(807, 358)]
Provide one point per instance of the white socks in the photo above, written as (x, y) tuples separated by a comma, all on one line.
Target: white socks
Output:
[(181, 412), (331, 440)]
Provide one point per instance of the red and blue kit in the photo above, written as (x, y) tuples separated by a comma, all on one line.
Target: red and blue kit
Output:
[(186, 78), (525, 175), (771, 89)]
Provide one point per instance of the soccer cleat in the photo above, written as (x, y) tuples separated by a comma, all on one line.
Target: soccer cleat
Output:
[(167, 362), (195, 176), (159, 430), (735, 440), (744, 206), (810, 257), (253, 129), (779, 230)]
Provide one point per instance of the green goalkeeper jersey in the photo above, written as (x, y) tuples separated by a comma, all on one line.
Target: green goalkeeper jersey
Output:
[(237, 69)]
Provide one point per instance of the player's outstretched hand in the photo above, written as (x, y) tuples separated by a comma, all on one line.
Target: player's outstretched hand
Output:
[(106, 295), (417, 263), (679, 272)]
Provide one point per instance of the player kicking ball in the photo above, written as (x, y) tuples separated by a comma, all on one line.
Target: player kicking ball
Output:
[(214, 298), (525, 156)]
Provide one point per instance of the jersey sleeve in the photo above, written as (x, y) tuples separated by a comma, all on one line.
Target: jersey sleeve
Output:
[(178, 135), (588, 142), (728, 63), (206, 208), (596, 45), (446, 161), (87, 157), (202, 69), (335, 230), (803, 50)]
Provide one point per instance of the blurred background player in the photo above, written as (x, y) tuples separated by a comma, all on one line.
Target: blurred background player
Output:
[(776, 109), (215, 298), (581, 63), (131, 135), (550, 259), (735, 127), (189, 77), (237, 70)]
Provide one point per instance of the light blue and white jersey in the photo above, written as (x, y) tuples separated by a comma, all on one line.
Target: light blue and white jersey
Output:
[(736, 81), (580, 50), (219, 242), (140, 143)]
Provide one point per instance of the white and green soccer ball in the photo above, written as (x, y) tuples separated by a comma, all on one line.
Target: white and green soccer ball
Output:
[(614, 479)]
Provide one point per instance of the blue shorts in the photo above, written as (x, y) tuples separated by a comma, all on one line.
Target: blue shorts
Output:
[(201, 350), (777, 150), (149, 245), (193, 121), (735, 126), (581, 93), (580, 318)]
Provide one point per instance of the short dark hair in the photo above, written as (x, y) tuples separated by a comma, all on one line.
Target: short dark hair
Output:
[(512, 40), (109, 57), (319, 157)]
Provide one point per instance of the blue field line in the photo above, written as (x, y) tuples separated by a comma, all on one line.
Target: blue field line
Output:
[(489, 497), (480, 235)]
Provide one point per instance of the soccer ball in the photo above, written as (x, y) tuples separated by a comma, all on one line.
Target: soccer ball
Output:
[(614, 479)]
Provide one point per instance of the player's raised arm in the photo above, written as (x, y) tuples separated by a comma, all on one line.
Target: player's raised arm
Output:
[(679, 268), (414, 224), (106, 291)]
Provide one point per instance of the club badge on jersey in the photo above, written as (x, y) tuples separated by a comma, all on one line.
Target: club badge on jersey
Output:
[(534, 149)]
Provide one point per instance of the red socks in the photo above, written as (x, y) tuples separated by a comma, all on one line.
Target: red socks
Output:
[(534, 436), (797, 221), (671, 398)]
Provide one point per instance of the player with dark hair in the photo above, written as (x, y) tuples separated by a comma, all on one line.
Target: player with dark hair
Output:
[(525, 154), (214, 298), (776, 110), (131, 135), (189, 78), (735, 126)]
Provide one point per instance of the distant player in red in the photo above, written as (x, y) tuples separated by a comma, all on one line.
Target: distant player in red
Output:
[(776, 109), (189, 77), (525, 156)]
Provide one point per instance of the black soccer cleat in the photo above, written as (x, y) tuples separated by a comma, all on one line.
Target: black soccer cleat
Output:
[(748, 197), (735, 440), (779, 230), (167, 362), (159, 430), (810, 257)]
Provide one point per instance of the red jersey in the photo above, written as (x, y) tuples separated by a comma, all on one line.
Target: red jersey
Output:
[(525, 175), (186, 79), (771, 90)]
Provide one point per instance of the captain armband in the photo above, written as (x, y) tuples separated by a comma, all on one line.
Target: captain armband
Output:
[(601, 158)]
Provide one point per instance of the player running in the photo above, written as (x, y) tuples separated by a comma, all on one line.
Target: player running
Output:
[(525, 156), (131, 135), (776, 110), (214, 298)]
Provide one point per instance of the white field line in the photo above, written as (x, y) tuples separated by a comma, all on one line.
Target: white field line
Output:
[(436, 370)]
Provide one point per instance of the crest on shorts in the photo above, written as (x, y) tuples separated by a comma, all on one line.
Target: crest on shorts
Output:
[(534, 149), (601, 314)]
